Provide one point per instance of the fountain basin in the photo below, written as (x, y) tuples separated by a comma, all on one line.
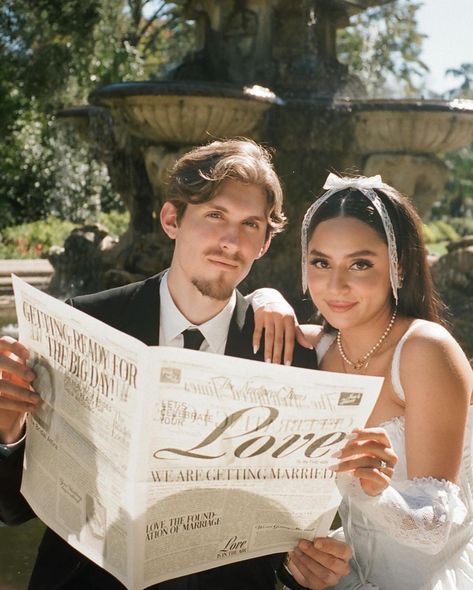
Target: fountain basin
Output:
[(414, 126), (185, 113), (80, 117)]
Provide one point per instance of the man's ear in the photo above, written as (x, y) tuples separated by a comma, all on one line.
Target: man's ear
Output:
[(168, 218), (264, 248)]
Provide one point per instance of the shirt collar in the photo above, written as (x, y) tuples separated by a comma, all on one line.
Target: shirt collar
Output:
[(173, 322)]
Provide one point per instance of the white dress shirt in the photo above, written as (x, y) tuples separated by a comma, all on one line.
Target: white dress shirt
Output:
[(172, 323)]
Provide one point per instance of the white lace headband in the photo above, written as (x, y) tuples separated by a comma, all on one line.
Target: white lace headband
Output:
[(335, 184)]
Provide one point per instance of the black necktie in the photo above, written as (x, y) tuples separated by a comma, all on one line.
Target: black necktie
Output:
[(193, 339)]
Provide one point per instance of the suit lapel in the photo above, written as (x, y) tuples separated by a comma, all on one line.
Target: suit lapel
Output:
[(239, 340), (143, 312)]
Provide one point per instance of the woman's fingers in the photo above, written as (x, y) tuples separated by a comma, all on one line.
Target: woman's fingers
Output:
[(274, 334), (368, 449), (369, 441), (367, 463), (376, 433), (259, 327), (369, 456), (302, 340), (279, 335)]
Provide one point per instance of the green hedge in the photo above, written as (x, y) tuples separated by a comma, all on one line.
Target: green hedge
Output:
[(440, 231), (33, 240)]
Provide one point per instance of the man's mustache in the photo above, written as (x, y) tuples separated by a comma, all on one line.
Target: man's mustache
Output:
[(223, 255)]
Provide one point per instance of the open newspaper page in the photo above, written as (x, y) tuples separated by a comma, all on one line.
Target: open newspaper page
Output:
[(78, 464), (158, 462), (235, 461)]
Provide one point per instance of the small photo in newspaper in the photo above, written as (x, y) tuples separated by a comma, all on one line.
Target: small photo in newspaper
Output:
[(350, 398)]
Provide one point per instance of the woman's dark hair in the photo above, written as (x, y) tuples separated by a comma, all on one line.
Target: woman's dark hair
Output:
[(417, 297)]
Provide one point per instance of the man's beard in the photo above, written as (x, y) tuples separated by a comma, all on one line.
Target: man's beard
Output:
[(215, 289)]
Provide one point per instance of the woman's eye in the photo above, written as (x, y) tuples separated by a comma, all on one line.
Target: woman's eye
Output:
[(252, 224), (319, 263), (362, 264), (214, 214)]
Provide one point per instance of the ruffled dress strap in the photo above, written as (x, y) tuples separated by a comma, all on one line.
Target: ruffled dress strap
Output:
[(396, 362), (323, 345)]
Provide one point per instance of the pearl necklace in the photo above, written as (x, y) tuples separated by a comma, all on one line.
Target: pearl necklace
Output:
[(362, 362)]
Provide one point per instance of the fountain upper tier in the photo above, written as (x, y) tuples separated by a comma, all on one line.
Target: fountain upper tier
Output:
[(414, 126), (183, 113)]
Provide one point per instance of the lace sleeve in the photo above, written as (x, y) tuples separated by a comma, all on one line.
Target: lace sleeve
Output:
[(418, 513)]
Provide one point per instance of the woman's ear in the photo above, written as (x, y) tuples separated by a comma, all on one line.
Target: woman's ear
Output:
[(168, 218), (400, 276)]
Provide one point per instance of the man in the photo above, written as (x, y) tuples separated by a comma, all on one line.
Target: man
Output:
[(224, 205)]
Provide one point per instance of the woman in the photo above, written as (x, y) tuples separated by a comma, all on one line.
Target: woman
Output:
[(363, 260)]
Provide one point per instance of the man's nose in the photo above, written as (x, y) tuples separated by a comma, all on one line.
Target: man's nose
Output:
[(230, 239)]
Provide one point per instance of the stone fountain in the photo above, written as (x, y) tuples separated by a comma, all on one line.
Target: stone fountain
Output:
[(265, 69)]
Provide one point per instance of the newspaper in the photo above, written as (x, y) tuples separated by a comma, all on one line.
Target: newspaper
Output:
[(157, 462)]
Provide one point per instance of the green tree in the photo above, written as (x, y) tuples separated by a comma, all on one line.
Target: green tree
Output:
[(53, 53), (464, 72), (458, 198), (383, 47)]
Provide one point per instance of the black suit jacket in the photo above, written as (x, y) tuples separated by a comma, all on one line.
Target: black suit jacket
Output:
[(134, 309)]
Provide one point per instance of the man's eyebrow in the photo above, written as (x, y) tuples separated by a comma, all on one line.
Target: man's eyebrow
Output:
[(315, 252), (211, 205), (225, 210)]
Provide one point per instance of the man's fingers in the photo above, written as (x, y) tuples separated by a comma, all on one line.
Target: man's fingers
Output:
[(331, 546), (309, 573), (11, 393), (17, 407), (10, 345), (17, 399), (323, 562), (13, 370)]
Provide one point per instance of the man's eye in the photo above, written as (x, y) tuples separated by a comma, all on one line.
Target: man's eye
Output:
[(214, 214), (252, 224)]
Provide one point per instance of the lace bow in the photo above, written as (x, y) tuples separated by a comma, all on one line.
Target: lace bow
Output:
[(361, 183)]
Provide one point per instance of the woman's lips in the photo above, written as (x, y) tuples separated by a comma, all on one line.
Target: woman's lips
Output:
[(340, 306)]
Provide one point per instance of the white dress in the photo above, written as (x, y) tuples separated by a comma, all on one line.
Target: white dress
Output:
[(418, 534)]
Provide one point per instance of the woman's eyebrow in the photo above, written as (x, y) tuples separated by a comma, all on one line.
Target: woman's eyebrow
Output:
[(315, 252)]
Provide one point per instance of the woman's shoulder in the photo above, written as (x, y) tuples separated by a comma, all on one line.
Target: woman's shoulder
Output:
[(426, 337), (430, 351)]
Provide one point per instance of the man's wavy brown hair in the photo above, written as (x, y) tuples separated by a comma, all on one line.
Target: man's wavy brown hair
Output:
[(197, 176)]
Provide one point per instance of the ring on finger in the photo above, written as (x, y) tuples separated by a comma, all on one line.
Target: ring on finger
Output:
[(382, 464)]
